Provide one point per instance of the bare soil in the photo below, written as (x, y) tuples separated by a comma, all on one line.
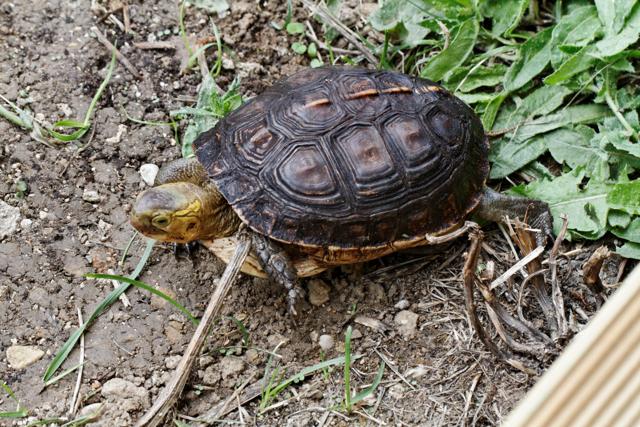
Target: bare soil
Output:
[(438, 372)]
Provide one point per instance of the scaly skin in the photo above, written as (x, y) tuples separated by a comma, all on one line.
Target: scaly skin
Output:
[(184, 207)]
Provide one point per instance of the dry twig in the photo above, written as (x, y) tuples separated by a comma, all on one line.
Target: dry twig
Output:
[(124, 61), (172, 391), (73, 405), (591, 269), (334, 22), (556, 292)]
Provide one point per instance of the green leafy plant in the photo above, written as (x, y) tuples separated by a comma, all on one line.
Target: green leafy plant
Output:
[(21, 412), (210, 107), (561, 94)]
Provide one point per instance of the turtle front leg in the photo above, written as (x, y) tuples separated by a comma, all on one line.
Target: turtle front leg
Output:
[(277, 264), (495, 206)]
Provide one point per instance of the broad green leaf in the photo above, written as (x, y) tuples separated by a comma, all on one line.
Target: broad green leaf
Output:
[(577, 63), (507, 156), (574, 148), (466, 79), (505, 14), (577, 114), (401, 18), (614, 44), (454, 10), (533, 57), (585, 205), (455, 54), (619, 219), (626, 197), (629, 250), (631, 232), (473, 98), (613, 13), (490, 113), (541, 101), (576, 29)]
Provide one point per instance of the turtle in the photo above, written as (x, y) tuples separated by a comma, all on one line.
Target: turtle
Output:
[(331, 166)]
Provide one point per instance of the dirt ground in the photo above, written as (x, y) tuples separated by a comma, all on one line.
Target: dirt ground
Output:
[(438, 372)]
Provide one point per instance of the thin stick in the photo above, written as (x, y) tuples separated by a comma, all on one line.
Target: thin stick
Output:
[(124, 61), (312, 35), (331, 20), (516, 267), (467, 405), (154, 45), (469, 279), (556, 292), (393, 368), (125, 18), (73, 405), (172, 392)]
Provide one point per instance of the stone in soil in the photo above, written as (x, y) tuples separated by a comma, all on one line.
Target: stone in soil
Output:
[(21, 356), (9, 216), (132, 397), (230, 366), (403, 304), (148, 173), (90, 196), (407, 322), (318, 292)]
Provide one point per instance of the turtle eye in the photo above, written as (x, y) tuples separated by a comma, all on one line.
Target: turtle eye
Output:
[(160, 221)]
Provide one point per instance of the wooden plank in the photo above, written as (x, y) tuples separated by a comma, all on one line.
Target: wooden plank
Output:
[(596, 380)]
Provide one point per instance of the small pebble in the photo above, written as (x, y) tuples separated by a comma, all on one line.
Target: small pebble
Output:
[(402, 304), (375, 292), (326, 342), (172, 362), (355, 334), (318, 292), (26, 223), (230, 366), (90, 196), (21, 356), (148, 173), (407, 322), (369, 322), (9, 217)]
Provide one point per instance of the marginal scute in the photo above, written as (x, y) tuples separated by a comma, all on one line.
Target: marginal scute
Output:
[(349, 158)]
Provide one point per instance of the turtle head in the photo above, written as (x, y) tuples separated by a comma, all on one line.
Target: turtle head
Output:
[(181, 212)]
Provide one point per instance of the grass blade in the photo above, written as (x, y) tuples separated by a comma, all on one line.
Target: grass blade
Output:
[(147, 288), (347, 370), (64, 351)]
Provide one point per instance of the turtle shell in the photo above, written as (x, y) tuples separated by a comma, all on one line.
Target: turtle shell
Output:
[(349, 158)]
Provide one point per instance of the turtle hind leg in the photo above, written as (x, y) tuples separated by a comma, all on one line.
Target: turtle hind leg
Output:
[(277, 264), (495, 206)]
